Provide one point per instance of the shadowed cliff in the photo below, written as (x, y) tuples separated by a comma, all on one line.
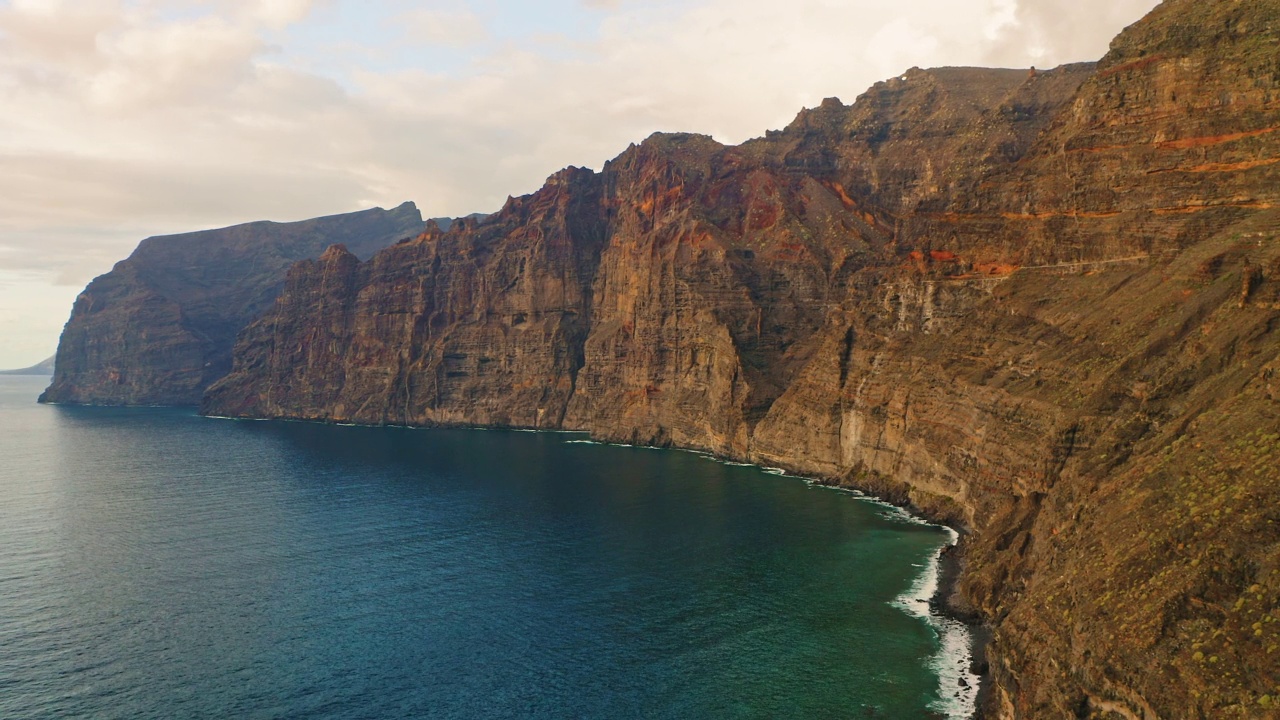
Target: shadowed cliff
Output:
[(159, 328)]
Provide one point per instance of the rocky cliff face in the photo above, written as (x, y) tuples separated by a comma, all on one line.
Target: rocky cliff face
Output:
[(1170, 140), (484, 324), (159, 328), (683, 256), (1045, 306)]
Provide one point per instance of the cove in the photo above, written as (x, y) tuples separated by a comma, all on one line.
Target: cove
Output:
[(160, 564)]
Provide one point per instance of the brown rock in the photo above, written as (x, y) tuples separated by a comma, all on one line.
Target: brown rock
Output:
[(159, 328), (483, 324)]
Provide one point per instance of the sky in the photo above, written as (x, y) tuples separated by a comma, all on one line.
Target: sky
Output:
[(121, 119)]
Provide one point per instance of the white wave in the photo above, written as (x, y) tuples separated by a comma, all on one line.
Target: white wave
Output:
[(612, 444), (957, 684), (893, 512)]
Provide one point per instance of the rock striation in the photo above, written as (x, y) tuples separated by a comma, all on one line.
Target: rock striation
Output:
[(1041, 305), (159, 328), (686, 272), (480, 325)]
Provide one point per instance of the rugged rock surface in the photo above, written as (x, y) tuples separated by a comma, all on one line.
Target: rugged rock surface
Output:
[(159, 328), (1042, 305), (484, 324), (1171, 139)]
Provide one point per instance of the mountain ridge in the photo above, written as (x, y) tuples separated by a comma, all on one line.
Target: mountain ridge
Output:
[(159, 327)]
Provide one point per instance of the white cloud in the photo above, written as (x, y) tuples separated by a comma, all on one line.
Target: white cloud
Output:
[(456, 27), (194, 61), (277, 13), (123, 118), (38, 7)]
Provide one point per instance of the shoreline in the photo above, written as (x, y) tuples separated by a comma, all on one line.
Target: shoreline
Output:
[(961, 660), (960, 663), (950, 569)]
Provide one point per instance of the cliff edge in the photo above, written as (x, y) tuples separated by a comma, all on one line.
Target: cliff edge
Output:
[(159, 328)]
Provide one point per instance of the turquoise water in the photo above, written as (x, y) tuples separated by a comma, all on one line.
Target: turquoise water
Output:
[(156, 564)]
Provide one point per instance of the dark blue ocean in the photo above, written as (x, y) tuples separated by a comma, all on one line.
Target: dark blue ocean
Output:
[(157, 564)]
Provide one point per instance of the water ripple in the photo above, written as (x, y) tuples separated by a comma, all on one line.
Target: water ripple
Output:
[(154, 564)]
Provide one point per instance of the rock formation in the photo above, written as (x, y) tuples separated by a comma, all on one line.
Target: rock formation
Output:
[(159, 328), (617, 300), (1044, 306), (478, 325)]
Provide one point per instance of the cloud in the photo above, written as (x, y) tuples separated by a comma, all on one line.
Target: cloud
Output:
[(458, 27), (277, 13), (175, 63), (125, 118), (1065, 28)]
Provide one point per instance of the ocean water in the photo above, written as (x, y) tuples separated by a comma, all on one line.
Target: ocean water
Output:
[(157, 564)]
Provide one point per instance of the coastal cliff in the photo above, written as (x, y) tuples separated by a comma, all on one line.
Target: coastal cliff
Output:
[(682, 285), (1043, 306), (159, 328)]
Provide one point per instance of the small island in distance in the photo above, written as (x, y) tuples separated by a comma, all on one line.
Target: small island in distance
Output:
[(40, 368)]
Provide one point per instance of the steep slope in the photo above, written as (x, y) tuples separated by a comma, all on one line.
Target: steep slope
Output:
[(484, 324), (1086, 379), (711, 270), (1172, 137), (1107, 430), (159, 328), (1044, 306)]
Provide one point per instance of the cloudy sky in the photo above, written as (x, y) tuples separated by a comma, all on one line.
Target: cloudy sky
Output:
[(121, 119)]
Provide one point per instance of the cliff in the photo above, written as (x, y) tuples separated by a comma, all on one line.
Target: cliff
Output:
[(478, 325), (159, 328), (617, 300), (1044, 306), (1170, 140)]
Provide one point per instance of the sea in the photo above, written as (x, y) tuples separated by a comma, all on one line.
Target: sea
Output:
[(159, 564)]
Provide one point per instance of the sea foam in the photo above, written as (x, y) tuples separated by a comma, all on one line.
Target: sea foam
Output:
[(957, 684)]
